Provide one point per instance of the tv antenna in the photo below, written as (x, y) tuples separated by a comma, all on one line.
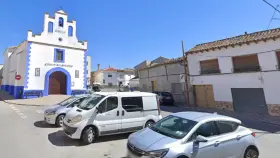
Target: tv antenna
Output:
[(273, 16)]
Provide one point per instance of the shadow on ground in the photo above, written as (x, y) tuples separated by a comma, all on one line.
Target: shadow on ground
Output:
[(60, 139), (255, 121), (5, 95), (43, 124)]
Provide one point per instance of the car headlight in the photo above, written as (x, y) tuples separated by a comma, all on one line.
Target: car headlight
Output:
[(157, 153), (76, 119), (51, 113)]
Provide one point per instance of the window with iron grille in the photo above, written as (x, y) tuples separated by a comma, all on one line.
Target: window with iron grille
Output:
[(37, 71), (76, 73)]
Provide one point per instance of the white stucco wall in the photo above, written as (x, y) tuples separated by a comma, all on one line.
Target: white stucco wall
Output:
[(88, 69), (52, 38), (13, 64), (164, 78), (269, 79), (42, 54)]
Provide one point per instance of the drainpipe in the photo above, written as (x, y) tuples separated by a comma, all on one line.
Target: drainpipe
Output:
[(166, 73)]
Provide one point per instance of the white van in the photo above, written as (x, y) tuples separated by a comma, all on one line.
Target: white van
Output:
[(107, 113)]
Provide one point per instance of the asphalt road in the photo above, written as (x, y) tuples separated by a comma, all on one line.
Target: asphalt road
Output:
[(24, 134)]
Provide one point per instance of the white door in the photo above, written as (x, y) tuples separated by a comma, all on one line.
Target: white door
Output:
[(108, 118), (231, 141), (132, 114), (211, 148)]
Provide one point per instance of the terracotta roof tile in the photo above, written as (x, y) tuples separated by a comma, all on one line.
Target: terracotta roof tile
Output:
[(238, 40)]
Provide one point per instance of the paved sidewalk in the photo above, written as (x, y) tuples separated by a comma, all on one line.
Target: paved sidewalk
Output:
[(42, 101), (255, 120)]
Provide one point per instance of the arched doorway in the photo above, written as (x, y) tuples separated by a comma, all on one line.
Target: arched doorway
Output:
[(53, 76), (57, 83)]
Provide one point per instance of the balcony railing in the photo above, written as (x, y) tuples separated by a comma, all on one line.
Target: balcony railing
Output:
[(246, 69), (210, 71)]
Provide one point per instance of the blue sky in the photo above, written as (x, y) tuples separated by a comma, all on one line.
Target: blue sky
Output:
[(123, 33)]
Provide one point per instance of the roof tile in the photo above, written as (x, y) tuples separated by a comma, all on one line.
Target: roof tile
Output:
[(237, 40)]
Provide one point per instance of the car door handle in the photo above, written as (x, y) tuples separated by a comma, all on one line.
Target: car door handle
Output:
[(122, 113), (238, 137), (217, 143), (118, 113)]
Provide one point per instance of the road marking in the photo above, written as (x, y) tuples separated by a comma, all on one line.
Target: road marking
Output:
[(17, 111)]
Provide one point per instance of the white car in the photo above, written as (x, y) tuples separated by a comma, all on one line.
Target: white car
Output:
[(55, 114), (194, 135), (111, 113)]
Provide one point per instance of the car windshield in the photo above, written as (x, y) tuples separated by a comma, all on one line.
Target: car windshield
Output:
[(67, 101), (165, 94), (173, 126), (90, 102)]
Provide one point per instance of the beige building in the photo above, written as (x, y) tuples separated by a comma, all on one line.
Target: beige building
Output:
[(167, 76)]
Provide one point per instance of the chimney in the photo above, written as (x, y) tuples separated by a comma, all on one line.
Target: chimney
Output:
[(98, 67)]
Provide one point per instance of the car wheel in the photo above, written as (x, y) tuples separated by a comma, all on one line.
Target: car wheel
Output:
[(251, 153), (149, 123), (59, 120), (89, 135)]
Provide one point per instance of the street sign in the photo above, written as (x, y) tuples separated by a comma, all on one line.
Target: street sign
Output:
[(18, 77)]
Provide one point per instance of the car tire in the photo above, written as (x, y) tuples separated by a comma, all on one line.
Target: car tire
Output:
[(89, 135), (251, 152), (149, 123), (59, 120)]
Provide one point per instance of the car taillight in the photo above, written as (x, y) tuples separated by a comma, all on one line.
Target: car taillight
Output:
[(253, 134)]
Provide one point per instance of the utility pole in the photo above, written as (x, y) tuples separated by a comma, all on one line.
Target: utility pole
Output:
[(185, 73)]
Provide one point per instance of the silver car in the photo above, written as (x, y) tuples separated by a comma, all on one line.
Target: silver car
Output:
[(55, 114), (194, 135)]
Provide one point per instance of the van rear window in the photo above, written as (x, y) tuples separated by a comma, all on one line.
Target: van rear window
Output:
[(165, 94), (132, 104)]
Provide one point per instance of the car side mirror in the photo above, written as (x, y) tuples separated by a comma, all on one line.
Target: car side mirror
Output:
[(199, 139), (98, 109)]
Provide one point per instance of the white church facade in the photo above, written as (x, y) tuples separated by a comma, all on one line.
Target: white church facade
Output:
[(53, 62)]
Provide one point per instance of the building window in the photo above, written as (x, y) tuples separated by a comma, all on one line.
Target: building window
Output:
[(246, 63), (109, 75), (209, 66), (70, 31), (278, 59), (50, 27), (103, 81), (60, 22), (76, 73), (121, 76), (59, 55), (110, 84), (37, 71)]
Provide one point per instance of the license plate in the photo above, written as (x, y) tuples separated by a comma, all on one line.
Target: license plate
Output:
[(168, 97)]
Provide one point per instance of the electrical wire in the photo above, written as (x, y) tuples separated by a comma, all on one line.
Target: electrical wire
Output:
[(271, 6), (272, 18)]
